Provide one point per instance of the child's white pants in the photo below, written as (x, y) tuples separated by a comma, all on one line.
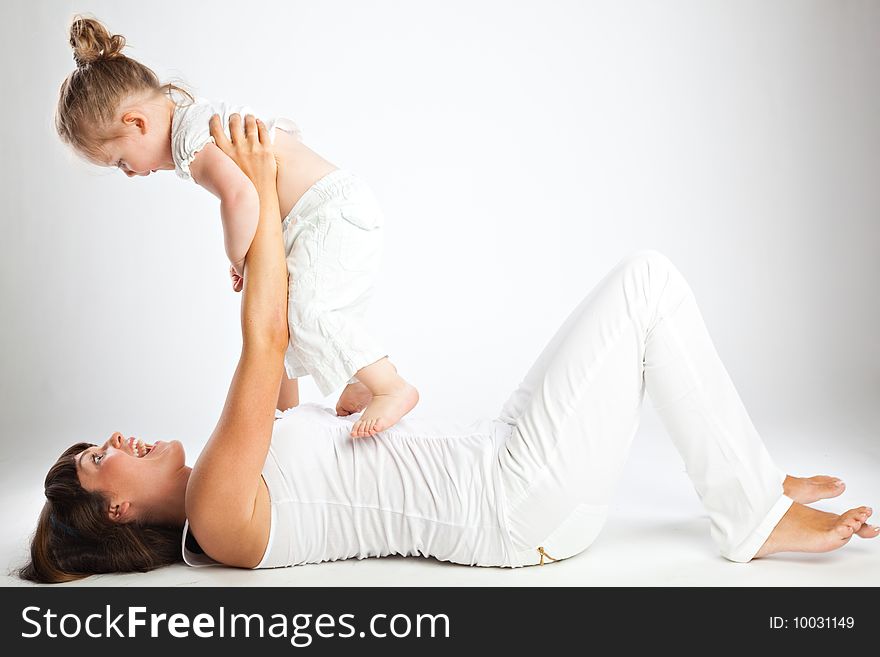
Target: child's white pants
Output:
[(333, 241), (575, 414)]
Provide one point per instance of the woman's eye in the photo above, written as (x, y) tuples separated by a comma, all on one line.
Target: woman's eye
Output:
[(96, 458)]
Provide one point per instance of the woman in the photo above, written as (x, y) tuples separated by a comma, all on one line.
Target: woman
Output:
[(530, 487)]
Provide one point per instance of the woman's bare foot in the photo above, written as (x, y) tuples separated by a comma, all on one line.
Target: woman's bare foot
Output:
[(807, 490), (804, 529), (353, 399)]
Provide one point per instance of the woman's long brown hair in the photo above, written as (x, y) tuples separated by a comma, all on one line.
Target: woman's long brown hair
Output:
[(76, 538)]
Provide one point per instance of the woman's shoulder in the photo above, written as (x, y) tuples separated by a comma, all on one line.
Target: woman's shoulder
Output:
[(193, 554)]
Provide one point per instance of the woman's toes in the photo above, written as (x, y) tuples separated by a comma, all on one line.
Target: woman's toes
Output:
[(851, 521), (836, 484), (869, 531), (807, 490), (825, 486), (843, 530)]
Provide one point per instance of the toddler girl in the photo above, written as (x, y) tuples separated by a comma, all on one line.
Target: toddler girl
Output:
[(113, 111)]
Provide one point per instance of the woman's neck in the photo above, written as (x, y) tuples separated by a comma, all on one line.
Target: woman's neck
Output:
[(172, 510)]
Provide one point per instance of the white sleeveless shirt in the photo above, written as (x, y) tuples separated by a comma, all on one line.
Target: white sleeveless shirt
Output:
[(414, 489), (190, 132)]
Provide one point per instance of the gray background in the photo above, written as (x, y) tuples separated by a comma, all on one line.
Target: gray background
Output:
[(519, 151)]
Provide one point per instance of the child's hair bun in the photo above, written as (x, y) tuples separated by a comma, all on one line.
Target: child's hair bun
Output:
[(91, 41)]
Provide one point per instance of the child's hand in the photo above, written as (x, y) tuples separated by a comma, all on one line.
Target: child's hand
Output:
[(250, 148), (237, 281)]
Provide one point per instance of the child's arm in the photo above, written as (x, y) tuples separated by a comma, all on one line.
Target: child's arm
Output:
[(239, 205)]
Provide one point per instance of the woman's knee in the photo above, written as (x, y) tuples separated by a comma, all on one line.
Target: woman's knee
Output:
[(650, 258), (657, 277), (656, 268)]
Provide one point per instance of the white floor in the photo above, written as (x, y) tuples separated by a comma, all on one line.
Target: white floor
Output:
[(658, 534)]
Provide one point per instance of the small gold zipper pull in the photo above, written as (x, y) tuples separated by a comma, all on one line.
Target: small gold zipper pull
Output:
[(544, 554)]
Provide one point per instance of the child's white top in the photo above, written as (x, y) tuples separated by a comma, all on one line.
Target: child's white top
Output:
[(190, 131)]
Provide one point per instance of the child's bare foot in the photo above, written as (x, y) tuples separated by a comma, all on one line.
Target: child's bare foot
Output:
[(353, 399), (392, 398), (807, 490), (385, 410), (804, 529)]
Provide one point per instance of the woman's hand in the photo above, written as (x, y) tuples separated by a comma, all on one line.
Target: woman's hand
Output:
[(250, 148)]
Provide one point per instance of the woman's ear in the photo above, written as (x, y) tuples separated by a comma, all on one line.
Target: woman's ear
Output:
[(119, 512), (136, 119)]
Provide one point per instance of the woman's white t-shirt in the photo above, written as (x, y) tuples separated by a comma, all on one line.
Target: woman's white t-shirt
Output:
[(414, 489)]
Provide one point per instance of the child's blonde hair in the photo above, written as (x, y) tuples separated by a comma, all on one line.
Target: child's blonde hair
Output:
[(90, 96)]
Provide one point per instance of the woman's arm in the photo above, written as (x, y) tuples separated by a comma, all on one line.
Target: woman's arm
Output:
[(222, 489), (239, 202)]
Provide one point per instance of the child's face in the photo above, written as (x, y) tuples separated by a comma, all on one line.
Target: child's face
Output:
[(141, 145), (137, 154)]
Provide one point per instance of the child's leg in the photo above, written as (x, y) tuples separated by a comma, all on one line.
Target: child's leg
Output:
[(334, 254), (354, 398), (288, 394), (392, 398)]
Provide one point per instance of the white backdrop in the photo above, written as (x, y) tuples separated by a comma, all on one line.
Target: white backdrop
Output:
[(519, 151)]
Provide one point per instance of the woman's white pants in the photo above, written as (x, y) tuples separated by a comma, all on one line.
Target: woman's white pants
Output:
[(576, 412)]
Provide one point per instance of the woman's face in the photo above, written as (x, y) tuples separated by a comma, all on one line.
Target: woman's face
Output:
[(141, 480)]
